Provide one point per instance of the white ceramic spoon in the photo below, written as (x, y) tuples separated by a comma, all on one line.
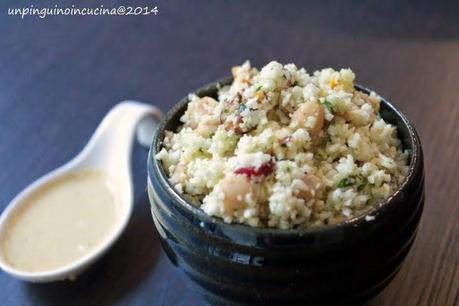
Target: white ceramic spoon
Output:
[(108, 150)]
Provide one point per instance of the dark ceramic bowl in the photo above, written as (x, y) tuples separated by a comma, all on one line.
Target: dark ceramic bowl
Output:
[(343, 264)]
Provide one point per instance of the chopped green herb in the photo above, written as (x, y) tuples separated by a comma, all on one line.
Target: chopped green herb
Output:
[(242, 107), (329, 106), (295, 83), (284, 76), (346, 182), (211, 135), (226, 111), (259, 87)]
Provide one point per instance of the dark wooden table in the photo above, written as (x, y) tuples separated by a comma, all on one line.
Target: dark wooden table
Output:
[(59, 76)]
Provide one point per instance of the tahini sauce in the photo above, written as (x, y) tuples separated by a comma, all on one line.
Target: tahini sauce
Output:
[(61, 222)]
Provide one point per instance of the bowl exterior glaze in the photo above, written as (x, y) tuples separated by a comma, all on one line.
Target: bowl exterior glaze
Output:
[(343, 264)]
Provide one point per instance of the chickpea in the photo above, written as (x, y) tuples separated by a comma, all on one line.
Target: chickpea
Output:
[(273, 125), (313, 188), (206, 128), (347, 115), (199, 108), (306, 110), (235, 188)]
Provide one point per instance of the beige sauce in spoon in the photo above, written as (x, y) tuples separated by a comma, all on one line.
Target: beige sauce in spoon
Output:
[(61, 222)]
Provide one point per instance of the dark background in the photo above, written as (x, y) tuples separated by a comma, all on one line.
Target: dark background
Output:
[(60, 75)]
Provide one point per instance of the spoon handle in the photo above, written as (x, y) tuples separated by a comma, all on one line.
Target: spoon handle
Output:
[(112, 141)]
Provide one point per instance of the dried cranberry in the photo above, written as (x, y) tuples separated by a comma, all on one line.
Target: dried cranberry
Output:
[(264, 169)]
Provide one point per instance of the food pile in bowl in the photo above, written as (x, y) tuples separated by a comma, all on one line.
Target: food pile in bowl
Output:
[(285, 149)]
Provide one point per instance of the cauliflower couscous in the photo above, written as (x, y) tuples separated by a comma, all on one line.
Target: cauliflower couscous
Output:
[(285, 149)]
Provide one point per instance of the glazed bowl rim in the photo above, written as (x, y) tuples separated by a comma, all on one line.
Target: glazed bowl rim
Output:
[(156, 166)]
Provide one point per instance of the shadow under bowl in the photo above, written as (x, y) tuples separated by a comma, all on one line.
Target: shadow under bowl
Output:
[(342, 264)]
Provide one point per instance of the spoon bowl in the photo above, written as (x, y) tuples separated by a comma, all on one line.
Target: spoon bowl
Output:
[(108, 151)]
